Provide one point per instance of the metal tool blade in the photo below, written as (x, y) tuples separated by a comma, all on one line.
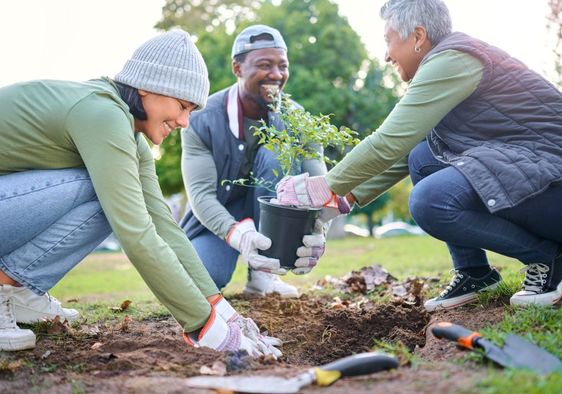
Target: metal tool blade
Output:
[(518, 353), (253, 384), (527, 355), (494, 353)]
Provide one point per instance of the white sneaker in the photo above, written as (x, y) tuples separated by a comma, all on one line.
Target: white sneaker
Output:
[(542, 285), (11, 336), (31, 308), (262, 283)]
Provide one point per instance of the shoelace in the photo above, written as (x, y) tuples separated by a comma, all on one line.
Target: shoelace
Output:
[(535, 277), (7, 319), (455, 281)]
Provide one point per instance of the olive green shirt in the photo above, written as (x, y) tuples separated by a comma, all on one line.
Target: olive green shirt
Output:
[(60, 124), (442, 82)]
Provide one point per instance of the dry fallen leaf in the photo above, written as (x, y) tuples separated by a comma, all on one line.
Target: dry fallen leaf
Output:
[(11, 366), (217, 369), (55, 326), (96, 345), (92, 331), (399, 291), (125, 324), (118, 309)]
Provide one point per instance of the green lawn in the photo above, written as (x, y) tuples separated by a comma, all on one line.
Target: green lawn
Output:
[(110, 276)]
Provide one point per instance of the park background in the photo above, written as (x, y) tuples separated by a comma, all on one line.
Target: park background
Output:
[(336, 50)]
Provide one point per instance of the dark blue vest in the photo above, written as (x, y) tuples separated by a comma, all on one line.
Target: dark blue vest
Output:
[(506, 138), (211, 125)]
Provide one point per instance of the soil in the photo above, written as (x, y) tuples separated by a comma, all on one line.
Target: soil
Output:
[(149, 356)]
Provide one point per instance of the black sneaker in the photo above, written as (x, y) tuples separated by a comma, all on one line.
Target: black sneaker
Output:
[(542, 285), (463, 289)]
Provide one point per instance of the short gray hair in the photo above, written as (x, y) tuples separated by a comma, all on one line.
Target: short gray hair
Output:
[(404, 16)]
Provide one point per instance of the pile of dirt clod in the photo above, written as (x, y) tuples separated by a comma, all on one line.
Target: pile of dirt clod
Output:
[(315, 332)]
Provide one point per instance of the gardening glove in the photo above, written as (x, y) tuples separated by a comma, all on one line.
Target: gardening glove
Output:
[(245, 238), (249, 328), (222, 336), (313, 248), (314, 245), (306, 191)]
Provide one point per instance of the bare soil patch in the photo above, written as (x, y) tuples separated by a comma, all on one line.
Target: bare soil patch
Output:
[(149, 356)]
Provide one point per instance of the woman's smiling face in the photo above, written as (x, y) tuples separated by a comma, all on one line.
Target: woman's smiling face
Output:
[(401, 53), (164, 115)]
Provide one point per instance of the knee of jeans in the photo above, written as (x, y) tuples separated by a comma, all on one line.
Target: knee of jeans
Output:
[(221, 278), (420, 203)]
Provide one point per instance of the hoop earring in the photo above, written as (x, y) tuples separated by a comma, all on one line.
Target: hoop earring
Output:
[(417, 49)]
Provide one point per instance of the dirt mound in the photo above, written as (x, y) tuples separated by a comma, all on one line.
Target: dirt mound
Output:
[(126, 355), (314, 332)]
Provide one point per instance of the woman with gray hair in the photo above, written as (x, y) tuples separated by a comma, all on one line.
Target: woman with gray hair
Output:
[(75, 165), (487, 174)]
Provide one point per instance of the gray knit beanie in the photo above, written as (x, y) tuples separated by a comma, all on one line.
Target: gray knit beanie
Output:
[(169, 64)]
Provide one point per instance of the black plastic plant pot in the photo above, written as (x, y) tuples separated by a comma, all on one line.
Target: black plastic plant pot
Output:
[(285, 226)]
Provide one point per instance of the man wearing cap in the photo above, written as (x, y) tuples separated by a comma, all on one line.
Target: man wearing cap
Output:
[(219, 145)]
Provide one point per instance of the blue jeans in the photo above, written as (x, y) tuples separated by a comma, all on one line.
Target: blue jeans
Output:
[(49, 221), (445, 205), (218, 258)]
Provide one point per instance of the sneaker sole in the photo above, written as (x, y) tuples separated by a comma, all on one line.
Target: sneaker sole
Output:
[(459, 301), (17, 344), (539, 299)]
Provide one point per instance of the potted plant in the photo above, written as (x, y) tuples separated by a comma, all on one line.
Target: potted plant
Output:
[(286, 225)]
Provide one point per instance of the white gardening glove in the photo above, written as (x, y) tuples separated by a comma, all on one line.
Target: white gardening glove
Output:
[(247, 240), (223, 336), (249, 328), (313, 248)]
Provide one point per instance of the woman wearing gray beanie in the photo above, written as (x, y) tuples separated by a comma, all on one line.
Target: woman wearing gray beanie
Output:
[(74, 167)]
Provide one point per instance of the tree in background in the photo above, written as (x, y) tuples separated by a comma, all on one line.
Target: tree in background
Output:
[(331, 71)]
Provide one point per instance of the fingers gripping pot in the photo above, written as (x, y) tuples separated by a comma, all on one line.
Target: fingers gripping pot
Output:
[(285, 226)]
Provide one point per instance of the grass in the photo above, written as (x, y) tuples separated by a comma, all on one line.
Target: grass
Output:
[(111, 277), (104, 280)]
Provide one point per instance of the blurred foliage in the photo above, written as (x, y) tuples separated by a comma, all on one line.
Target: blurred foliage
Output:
[(554, 25), (330, 69), (373, 212), (398, 201)]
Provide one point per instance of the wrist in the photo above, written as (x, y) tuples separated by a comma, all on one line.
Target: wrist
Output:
[(223, 307), (350, 198), (234, 236)]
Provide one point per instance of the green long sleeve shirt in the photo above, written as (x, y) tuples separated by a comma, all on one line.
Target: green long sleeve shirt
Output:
[(60, 124), (442, 82)]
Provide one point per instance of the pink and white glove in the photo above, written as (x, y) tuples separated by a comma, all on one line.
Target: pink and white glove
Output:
[(249, 328), (247, 240), (306, 191), (313, 248), (223, 336)]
